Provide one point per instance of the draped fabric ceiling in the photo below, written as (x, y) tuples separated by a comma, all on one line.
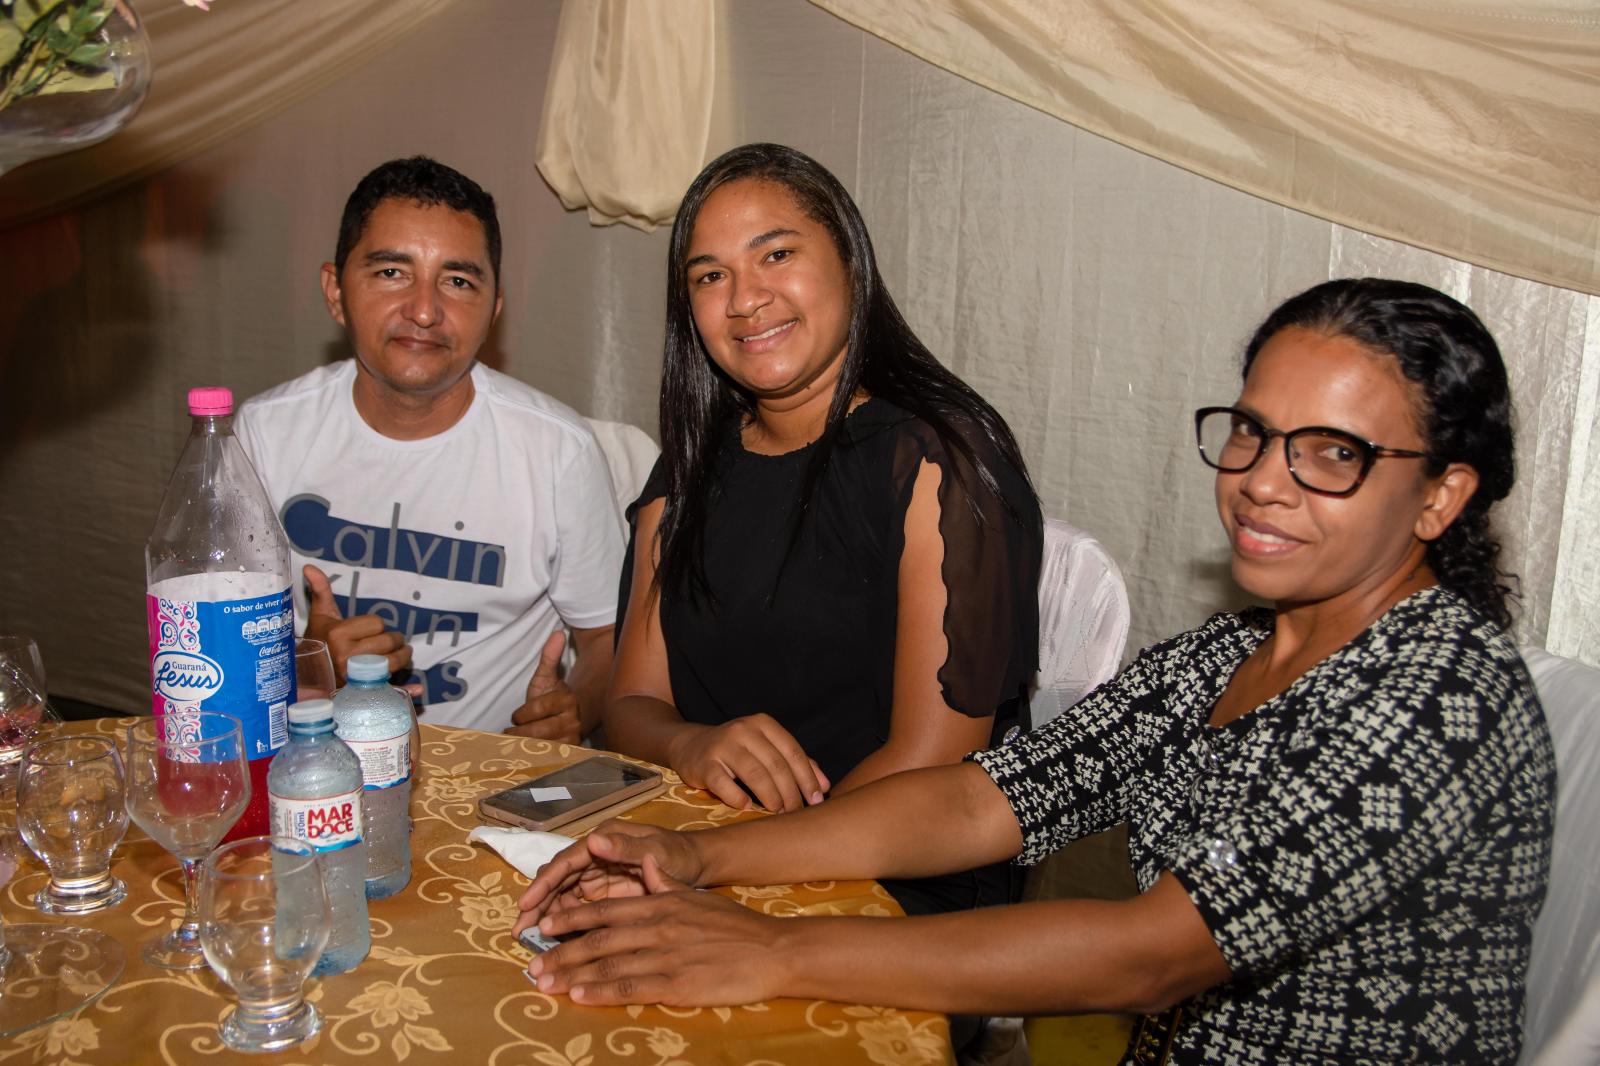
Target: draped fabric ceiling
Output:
[(1096, 294), (1464, 128)]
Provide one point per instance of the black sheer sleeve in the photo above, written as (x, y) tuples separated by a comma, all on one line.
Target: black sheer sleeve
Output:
[(992, 548)]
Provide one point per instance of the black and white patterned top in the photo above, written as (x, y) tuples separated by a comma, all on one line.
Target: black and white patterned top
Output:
[(1369, 849)]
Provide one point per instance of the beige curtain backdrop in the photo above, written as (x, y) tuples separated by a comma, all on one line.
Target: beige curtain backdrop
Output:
[(1468, 129), (218, 72), (1464, 128), (628, 107), (1095, 294)]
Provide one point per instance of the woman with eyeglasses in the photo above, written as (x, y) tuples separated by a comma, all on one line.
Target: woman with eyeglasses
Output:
[(1340, 808)]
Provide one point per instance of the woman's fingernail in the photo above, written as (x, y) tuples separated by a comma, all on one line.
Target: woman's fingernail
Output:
[(536, 965), (816, 797)]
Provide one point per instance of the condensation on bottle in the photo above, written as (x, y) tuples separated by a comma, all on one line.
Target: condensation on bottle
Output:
[(376, 720), (314, 788)]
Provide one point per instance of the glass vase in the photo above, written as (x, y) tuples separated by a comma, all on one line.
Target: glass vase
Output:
[(81, 104)]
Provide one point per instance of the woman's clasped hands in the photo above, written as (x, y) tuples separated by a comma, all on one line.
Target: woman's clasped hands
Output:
[(647, 935)]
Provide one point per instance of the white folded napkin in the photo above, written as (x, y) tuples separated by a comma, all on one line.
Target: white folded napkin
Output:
[(526, 849)]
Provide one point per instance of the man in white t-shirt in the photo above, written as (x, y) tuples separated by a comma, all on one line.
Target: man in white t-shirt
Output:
[(445, 515)]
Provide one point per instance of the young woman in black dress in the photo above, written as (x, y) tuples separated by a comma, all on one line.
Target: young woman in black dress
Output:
[(834, 567)]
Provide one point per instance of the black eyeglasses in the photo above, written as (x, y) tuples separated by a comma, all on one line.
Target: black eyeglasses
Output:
[(1329, 461)]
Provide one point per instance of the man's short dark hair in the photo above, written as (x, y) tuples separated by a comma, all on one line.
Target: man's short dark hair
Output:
[(419, 180)]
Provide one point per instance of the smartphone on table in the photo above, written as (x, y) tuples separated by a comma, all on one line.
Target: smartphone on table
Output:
[(566, 794)]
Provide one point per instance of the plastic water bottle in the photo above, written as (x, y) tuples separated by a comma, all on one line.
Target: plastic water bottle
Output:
[(375, 719), (315, 790), (217, 595)]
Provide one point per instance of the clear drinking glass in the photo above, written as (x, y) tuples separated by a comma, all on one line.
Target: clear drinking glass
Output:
[(23, 653), (25, 713), (71, 811), (188, 782), (313, 670), (47, 971), (263, 923)]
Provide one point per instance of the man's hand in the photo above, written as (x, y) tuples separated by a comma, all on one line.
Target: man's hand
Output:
[(551, 710), (362, 635), (755, 752)]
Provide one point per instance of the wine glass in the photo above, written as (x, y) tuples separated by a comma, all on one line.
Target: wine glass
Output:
[(263, 924), (71, 811), (187, 785), (48, 971), (25, 713), (313, 670), (23, 653)]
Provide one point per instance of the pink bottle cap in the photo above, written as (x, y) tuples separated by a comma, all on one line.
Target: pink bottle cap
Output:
[(211, 401)]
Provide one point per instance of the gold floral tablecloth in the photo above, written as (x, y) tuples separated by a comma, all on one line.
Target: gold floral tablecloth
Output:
[(443, 983)]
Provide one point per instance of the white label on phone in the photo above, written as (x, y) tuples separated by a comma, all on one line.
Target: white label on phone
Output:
[(327, 823), (384, 763), (546, 795)]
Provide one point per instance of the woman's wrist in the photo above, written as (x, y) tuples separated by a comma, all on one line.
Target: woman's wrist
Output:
[(708, 853), (793, 955), (804, 953), (679, 735)]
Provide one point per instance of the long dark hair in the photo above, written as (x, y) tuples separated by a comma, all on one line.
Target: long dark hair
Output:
[(1442, 348), (882, 356)]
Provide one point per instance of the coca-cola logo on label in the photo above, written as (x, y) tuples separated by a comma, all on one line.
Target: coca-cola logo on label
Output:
[(331, 822), (186, 676)]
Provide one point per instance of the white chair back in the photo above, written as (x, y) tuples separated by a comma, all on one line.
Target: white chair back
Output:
[(1562, 1020), (630, 453), (1083, 620)]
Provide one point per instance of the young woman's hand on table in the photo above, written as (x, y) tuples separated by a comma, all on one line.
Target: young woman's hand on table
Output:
[(753, 753)]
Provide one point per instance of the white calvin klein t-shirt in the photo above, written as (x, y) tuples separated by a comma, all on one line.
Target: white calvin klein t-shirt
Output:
[(475, 543)]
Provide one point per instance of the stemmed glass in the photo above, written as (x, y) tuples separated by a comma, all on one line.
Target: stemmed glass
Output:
[(187, 785), (25, 714), (23, 653), (47, 971), (71, 812), (313, 670), (263, 923)]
